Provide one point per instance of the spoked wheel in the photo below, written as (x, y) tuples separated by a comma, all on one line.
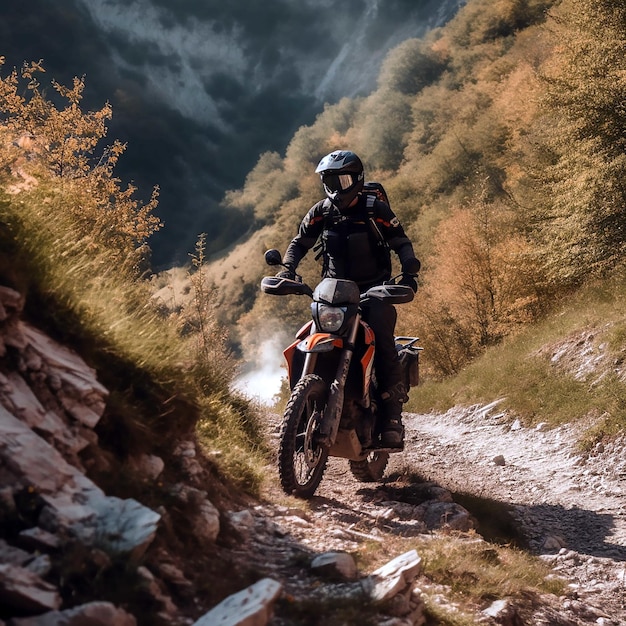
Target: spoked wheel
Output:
[(370, 469), (301, 461)]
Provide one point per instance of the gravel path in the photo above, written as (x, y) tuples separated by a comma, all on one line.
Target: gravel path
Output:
[(566, 506), (544, 494)]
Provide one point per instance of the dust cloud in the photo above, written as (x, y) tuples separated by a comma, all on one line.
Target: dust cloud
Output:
[(262, 377)]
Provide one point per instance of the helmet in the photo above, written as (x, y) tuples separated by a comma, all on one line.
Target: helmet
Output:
[(342, 176)]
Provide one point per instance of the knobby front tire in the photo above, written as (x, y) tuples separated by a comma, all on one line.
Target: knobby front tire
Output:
[(301, 462)]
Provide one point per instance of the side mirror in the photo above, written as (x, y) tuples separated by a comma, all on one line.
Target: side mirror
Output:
[(273, 257)]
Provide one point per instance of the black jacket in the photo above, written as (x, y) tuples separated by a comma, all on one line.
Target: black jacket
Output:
[(355, 242)]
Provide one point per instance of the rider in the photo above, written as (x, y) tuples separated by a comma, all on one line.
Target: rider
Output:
[(356, 234)]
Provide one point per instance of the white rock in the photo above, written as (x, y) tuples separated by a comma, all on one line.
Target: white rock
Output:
[(335, 564), (124, 526), (72, 501), (392, 578), (253, 606), (496, 608)]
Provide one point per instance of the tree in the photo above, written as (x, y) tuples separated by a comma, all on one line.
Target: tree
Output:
[(55, 146), (479, 288), (581, 230), (410, 67)]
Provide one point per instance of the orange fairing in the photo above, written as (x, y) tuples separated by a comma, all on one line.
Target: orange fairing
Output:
[(289, 351), (320, 342)]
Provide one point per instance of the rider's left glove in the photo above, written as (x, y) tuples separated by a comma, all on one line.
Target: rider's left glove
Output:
[(409, 281), (288, 273)]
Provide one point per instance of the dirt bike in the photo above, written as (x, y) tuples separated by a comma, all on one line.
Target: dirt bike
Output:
[(332, 409)]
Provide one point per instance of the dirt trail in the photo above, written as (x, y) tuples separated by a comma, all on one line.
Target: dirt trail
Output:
[(566, 506), (529, 486)]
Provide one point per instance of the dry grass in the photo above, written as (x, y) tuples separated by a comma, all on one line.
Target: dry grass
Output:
[(566, 368)]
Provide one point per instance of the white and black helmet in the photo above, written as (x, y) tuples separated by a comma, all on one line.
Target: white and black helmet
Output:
[(342, 175)]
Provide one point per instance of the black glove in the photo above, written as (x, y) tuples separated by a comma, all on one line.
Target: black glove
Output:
[(410, 281)]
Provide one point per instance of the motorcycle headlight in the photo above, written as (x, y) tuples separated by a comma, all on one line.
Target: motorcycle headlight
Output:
[(330, 318)]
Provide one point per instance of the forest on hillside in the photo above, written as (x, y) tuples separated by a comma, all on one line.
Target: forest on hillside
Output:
[(500, 139)]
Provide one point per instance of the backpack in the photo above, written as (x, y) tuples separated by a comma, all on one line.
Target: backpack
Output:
[(376, 189)]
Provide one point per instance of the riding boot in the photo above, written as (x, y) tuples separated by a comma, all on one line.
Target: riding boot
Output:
[(392, 430)]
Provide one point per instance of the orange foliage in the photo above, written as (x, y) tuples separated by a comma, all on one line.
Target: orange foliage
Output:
[(478, 285), (55, 146)]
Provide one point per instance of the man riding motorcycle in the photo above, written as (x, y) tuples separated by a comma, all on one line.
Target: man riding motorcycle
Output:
[(357, 233)]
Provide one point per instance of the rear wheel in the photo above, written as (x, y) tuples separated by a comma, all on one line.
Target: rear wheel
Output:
[(301, 461), (370, 469)]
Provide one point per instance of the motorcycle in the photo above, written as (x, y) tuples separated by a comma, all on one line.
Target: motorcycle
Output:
[(333, 406)]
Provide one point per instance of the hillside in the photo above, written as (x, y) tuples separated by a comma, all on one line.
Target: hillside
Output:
[(136, 486), (502, 152), (97, 533)]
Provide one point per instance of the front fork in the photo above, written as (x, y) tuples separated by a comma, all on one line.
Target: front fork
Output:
[(332, 414)]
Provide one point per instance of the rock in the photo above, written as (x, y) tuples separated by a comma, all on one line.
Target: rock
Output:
[(449, 514), (499, 460), (82, 396), (34, 462), (150, 586), (394, 577), (253, 606), (241, 520), (502, 612), (553, 543), (92, 614), (148, 465), (124, 526), (25, 591), (38, 539), (207, 523), (12, 555), (11, 304), (335, 565), (40, 565), (70, 500)]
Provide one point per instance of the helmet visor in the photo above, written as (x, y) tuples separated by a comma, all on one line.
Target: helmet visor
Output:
[(337, 182)]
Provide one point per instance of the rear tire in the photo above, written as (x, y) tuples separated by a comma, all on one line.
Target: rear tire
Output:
[(301, 461), (371, 469)]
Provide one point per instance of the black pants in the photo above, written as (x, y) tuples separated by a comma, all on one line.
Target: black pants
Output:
[(381, 317)]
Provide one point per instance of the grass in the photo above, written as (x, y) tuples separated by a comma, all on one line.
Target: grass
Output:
[(534, 387), (468, 571), (89, 297)]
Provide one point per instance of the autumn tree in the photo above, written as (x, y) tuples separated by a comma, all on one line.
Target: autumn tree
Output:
[(581, 162), (480, 287), (54, 147)]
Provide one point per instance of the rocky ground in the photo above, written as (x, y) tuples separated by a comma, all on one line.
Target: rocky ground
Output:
[(472, 475), (530, 487)]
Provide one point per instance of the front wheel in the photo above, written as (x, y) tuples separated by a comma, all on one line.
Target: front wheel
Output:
[(301, 460), (370, 469)]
